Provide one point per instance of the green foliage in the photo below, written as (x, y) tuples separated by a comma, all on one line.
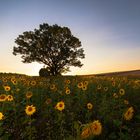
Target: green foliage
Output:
[(50, 123), (43, 72), (54, 46)]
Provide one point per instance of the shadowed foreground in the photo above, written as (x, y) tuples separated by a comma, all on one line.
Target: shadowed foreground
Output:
[(69, 107)]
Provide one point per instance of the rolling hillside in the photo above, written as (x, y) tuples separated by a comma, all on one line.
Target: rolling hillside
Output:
[(122, 73)]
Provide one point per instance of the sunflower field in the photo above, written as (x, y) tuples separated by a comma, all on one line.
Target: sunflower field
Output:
[(69, 108)]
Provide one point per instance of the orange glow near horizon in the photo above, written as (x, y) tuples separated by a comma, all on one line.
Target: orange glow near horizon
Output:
[(33, 69)]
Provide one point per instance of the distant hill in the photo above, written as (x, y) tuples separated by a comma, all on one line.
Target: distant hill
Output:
[(11, 74), (121, 73)]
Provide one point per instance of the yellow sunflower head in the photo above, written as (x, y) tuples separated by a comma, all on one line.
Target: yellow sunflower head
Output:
[(128, 115), (14, 81), (84, 87), (33, 83), (85, 83), (48, 101), (121, 92), (96, 127), (29, 94), (30, 110), (53, 87), (7, 88), (126, 102), (86, 133), (60, 106), (115, 95), (4, 79), (10, 98), (99, 87), (67, 91), (89, 106), (105, 88), (67, 81), (1, 116), (3, 97), (80, 85)]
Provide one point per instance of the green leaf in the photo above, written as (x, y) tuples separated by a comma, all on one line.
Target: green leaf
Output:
[(113, 136), (117, 123)]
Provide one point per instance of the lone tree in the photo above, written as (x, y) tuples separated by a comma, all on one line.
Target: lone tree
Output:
[(54, 46)]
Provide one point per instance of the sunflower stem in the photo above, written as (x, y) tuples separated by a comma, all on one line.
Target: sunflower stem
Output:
[(30, 135)]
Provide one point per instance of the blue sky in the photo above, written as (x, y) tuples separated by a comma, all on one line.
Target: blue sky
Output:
[(108, 29)]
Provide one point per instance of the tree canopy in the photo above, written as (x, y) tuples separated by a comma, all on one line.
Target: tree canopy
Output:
[(54, 46)]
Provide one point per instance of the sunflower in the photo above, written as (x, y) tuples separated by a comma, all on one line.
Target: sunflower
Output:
[(105, 88), (10, 98), (14, 81), (96, 127), (113, 83), (1, 116), (3, 97), (84, 87), (67, 81), (29, 94), (52, 87), (85, 83), (128, 115), (4, 80), (126, 102), (67, 91), (86, 133), (89, 106), (48, 101), (7, 88), (91, 129), (121, 92), (60, 106), (115, 95), (30, 110), (80, 85), (99, 87), (33, 83)]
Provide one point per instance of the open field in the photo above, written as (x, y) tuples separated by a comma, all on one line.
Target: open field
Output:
[(69, 107)]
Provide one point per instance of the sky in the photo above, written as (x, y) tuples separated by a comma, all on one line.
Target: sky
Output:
[(109, 31)]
